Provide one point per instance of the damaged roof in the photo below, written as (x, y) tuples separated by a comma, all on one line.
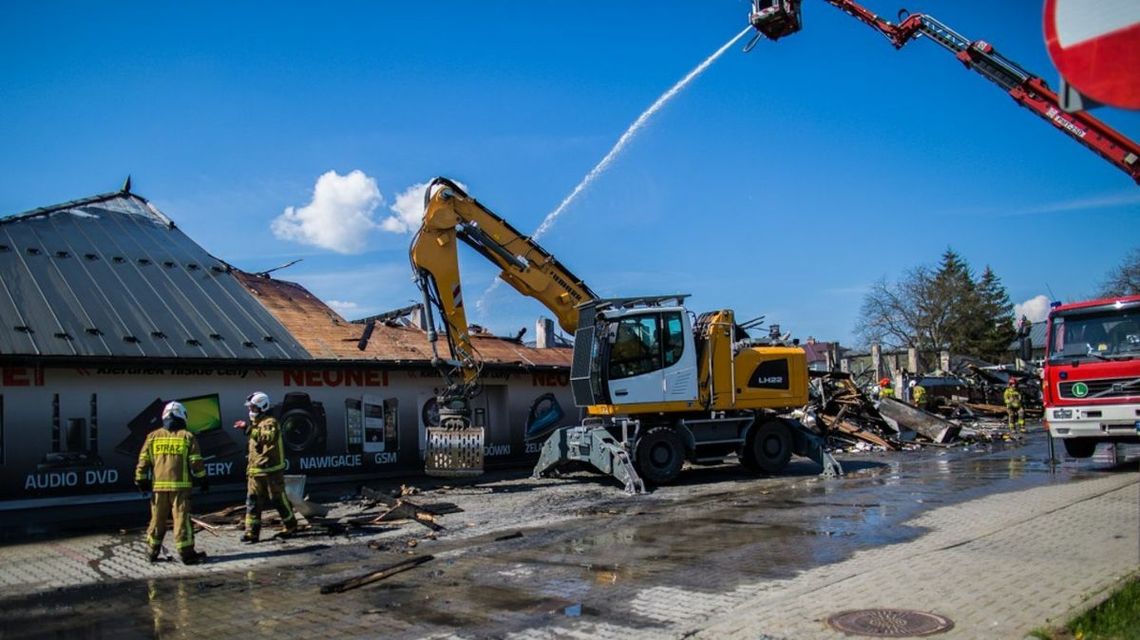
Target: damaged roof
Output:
[(111, 276), (327, 335)]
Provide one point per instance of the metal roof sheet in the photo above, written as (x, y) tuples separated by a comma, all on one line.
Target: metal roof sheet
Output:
[(112, 276)]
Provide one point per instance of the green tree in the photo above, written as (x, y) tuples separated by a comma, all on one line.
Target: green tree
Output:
[(958, 294), (997, 329)]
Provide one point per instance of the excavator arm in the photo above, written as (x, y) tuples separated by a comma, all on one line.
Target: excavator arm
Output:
[(450, 216), (775, 19)]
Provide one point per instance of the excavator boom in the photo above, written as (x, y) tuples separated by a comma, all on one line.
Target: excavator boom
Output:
[(451, 215)]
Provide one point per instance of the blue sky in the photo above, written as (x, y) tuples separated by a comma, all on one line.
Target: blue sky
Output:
[(780, 182)]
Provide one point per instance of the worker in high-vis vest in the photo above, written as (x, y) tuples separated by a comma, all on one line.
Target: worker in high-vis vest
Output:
[(169, 466), (885, 390), (265, 469), (918, 395), (1013, 408)]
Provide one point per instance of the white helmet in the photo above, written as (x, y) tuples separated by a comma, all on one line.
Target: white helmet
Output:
[(913, 382), (174, 409), (258, 402)]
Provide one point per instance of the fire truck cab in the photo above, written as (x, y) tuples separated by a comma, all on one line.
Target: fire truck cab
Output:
[(1092, 373)]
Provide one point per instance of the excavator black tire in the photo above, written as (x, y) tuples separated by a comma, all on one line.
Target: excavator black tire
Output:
[(768, 448), (659, 455)]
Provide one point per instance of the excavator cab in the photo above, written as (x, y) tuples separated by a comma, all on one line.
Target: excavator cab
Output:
[(775, 18)]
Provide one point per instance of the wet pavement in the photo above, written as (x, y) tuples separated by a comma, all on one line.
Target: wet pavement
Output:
[(721, 554)]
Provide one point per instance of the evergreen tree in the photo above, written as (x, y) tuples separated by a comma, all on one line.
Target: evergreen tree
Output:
[(996, 311), (958, 304)]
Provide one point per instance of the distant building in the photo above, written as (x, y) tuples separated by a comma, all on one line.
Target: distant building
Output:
[(108, 310), (822, 356)]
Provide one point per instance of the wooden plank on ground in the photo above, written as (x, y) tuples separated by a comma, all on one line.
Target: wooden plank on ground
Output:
[(374, 576)]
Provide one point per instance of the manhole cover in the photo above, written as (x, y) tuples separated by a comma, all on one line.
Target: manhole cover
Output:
[(889, 623)]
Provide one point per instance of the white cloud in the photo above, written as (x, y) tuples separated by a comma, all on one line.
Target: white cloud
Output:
[(1035, 308), (343, 307), (409, 209), (339, 216)]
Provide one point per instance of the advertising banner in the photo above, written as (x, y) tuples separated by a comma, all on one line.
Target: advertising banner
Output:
[(74, 434)]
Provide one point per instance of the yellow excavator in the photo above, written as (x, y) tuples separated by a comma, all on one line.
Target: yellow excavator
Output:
[(658, 384)]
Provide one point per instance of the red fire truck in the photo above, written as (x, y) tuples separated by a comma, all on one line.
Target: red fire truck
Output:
[(1092, 373)]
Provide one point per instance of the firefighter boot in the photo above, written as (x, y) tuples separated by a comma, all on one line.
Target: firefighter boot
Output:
[(250, 536), (152, 555), (191, 556), (288, 529)]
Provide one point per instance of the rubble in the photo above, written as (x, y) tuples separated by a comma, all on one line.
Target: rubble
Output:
[(848, 417), (372, 509), (960, 410), (901, 415)]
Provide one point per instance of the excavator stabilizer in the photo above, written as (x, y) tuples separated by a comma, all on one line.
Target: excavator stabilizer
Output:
[(592, 444), (809, 445)]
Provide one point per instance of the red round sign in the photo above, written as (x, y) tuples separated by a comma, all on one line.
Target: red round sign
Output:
[(1096, 47)]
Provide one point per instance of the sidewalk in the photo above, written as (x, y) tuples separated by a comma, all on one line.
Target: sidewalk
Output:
[(998, 567)]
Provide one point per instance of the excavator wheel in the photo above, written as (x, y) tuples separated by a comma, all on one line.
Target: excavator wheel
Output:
[(659, 455), (768, 449)]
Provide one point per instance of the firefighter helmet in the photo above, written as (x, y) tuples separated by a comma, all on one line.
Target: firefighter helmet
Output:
[(1012, 382), (257, 401), (174, 409), (885, 382)]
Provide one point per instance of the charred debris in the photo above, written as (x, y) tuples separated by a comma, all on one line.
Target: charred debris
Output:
[(960, 408)]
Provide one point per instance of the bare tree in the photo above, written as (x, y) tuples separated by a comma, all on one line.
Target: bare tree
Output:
[(914, 312), (1124, 280)]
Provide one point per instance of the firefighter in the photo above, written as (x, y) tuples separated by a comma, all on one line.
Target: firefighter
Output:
[(1013, 406), (170, 464), (918, 394), (265, 469), (885, 390)]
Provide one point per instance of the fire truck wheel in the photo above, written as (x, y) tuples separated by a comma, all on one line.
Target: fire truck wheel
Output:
[(769, 447), (660, 453), (1079, 447)]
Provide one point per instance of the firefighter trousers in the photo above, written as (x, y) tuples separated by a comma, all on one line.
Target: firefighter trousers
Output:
[(263, 490), (1015, 412), (174, 505)]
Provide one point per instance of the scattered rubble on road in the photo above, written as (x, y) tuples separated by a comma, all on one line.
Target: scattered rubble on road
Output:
[(368, 511)]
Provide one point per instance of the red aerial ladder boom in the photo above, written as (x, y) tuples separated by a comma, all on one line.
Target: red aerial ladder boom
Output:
[(775, 19)]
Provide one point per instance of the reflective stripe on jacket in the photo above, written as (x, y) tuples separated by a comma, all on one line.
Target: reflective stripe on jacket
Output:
[(266, 447), (172, 457)]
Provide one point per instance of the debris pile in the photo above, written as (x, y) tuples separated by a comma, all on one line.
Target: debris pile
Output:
[(371, 511), (847, 417), (959, 409)]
